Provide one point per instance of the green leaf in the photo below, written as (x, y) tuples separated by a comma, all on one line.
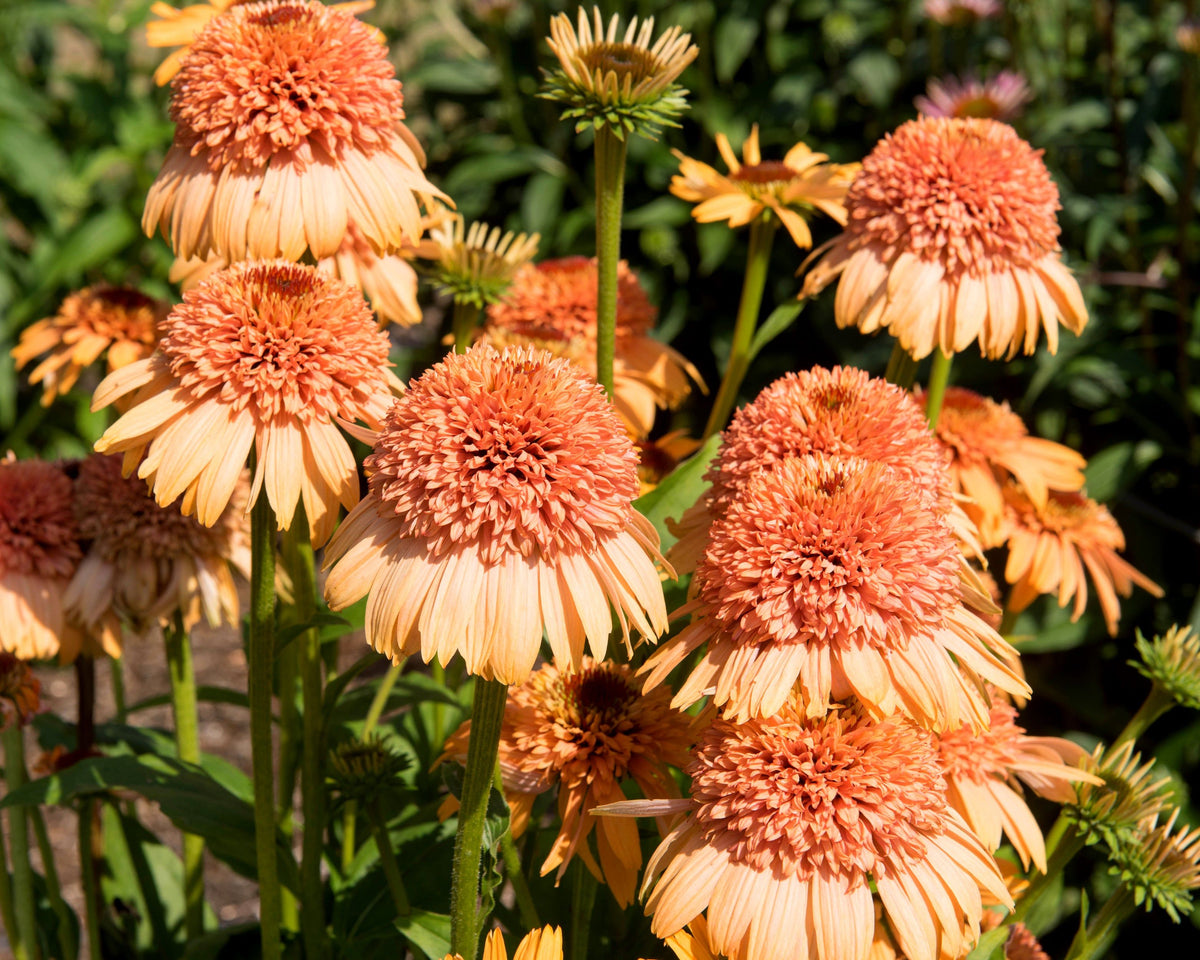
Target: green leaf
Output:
[(336, 686), (681, 488), (206, 693), (286, 635), (991, 944), (733, 39), (780, 319), (428, 932), (875, 75), (1114, 470), (541, 204)]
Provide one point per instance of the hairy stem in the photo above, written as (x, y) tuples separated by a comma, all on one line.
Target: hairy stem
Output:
[(610, 199)]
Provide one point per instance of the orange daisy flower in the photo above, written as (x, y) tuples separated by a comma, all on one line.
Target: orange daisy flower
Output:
[(952, 237), (694, 943), (989, 444), (39, 550), (834, 575), (20, 691), (789, 820), (1049, 547), (89, 322), (982, 770), (288, 126), (544, 943), (145, 562), (790, 189), (585, 732), (262, 356), (499, 506), (553, 305)]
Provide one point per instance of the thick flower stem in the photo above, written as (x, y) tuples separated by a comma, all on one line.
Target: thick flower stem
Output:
[(18, 823), (583, 899), (901, 368), (1062, 843), (1094, 941), (511, 859), (66, 933), (939, 377), (762, 234), (610, 199), (187, 745), (350, 816), (387, 857), (259, 661), (88, 877), (116, 676), (466, 316), (1158, 701), (487, 715), (7, 912)]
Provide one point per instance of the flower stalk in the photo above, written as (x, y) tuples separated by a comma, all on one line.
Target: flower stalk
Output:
[(350, 814), (391, 869), (901, 368), (463, 322), (610, 199), (939, 377), (18, 823), (87, 871), (583, 901), (1094, 940)]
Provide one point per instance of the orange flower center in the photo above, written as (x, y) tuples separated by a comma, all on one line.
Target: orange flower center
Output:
[(835, 795), (977, 427), (1067, 514), (37, 525), (757, 174), (278, 338), (284, 77), (115, 313), (967, 193)]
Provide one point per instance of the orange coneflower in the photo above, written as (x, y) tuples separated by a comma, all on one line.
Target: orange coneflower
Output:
[(289, 125), (585, 732), (145, 562), (499, 506), (1001, 97), (545, 943), (553, 304), (952, 237), (39, 550), (991, 443), (263, 356), (982, 770), (834, 575), (20, 691), (1049, 547), (118, 320), (789, 820), (790, 189)]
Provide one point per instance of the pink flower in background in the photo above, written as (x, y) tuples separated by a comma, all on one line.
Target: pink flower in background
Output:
[(951, 13), (1003, 97)]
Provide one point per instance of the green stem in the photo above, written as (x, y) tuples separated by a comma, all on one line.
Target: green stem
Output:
[(583, 899), (610, 199), (939, 376), (901, 368), (7, 913), (187, 744), (18, 823), (374, 712), (260, 655), (463, 321), (758, 258), (1008, 622), (1094, 941), (1062, 843), (87, 872), (511, 858), (1158, 701), (66, 936), (438, 673), (487, 715), (387, 857), (287, 671), (116, 675)]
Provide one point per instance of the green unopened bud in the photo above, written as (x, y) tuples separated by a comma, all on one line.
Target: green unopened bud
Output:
[(1161, 865), (476, 265), (1172, 661), (363, 769), (1128, 799)]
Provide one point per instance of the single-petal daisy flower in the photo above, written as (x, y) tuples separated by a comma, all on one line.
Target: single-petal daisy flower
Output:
[(39, 550), (144, 562), (554, 302), (288, 126), (264, 356), (585, 732), (990, 444), (20, 691), (90, 322), (500, 506), (834, 576), (791, 818), (790, 189), (982, 770), (477, 264), (544, 943), (1003, 97), (952, 237), (1049, 547)]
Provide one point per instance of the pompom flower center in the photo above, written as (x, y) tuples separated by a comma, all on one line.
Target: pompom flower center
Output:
[(973, 424), (836, 795), (37, 523), (983, 756), (277, 337)]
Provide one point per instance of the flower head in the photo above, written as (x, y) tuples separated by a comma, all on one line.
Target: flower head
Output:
[(584, 733), (499, 506), (1050, 546), (262, 356), (982, 770), (118, 320), (39, 550), (1003, 97), (553, 305), (622, 80), (791, 817), (363, 769), (288, 126), (951, 13), (835, 576), (952, 237), (20, 691), (1172, 661), (990, 443), (145, 562), (544, 943), (477, 265), (1162, 866), (1128, 798), (790, 189)]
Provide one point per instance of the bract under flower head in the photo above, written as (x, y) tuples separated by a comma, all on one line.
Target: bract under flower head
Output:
[(499, 507), (790, 817), (951, 238), (263, 356), (834, 576), (288, 127)]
